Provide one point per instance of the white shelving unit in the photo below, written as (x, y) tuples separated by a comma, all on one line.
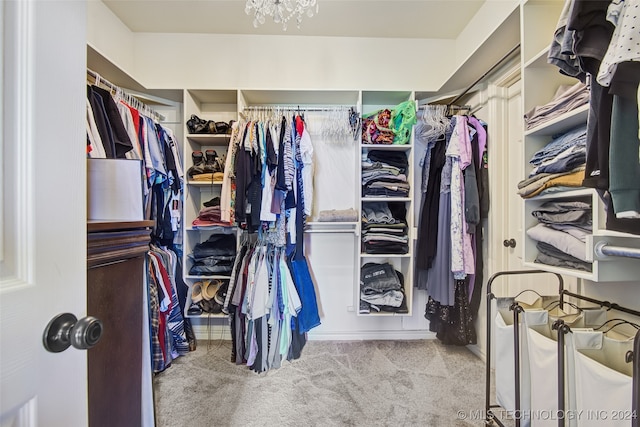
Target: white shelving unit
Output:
[(226, 105), (221, 106), (540, 82), (373, 101)]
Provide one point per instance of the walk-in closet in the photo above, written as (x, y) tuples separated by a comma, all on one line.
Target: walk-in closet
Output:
[(320, 212)]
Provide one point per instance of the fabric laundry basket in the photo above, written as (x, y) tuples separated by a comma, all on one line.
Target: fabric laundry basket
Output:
[(603, 393), (542, 346), (538, 378), (505, 356)]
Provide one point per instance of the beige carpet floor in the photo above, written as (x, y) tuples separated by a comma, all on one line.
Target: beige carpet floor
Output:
[(336, 383)]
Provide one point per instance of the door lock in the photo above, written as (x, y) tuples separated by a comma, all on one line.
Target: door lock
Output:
[(66, 330)]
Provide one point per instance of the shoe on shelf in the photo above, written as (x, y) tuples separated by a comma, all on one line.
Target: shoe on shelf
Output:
[(196, 292), (210, 164), (198, 164), (213, 202), (221, 294), (209, 289), (210, 306), (194, 310)]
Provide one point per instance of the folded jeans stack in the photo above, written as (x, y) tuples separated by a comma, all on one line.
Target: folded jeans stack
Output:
[(381, 288), (559, 164)]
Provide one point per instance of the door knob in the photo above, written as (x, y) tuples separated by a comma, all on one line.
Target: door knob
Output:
[(511, 243), (66, 330)]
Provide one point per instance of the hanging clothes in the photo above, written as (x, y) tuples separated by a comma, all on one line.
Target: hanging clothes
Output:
[(599, 42), (116, 129), (449, 245), (271, 297)]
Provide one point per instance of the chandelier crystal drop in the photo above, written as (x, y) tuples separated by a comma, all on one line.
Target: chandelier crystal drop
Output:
[(282, 11)]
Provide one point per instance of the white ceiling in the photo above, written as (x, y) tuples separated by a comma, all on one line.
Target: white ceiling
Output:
[(440, 19)]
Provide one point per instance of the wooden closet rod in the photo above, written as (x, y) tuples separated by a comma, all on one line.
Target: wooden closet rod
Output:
[(496, 65)]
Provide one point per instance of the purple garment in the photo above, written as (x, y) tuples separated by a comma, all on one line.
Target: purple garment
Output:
[(253, 344), (482, 137)]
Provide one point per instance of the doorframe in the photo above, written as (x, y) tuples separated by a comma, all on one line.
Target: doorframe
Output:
[(499, 185)]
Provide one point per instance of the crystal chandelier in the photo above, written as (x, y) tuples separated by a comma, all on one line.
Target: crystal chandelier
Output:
[(281, 10)]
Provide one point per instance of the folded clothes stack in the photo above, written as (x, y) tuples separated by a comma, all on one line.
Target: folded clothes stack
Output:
[(210, 215), (384, 174), (566, 98), (381, 289), (561, 234), (558, 165), (384, 228), (214, 256), (338, 215)]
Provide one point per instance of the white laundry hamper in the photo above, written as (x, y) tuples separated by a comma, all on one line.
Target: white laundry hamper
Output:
[(603, 394), (505, 360)]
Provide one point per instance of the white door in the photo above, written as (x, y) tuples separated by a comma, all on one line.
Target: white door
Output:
[(512, 234), (43, 199)]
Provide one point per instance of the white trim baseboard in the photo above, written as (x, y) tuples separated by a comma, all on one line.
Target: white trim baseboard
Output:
[(222, 332)]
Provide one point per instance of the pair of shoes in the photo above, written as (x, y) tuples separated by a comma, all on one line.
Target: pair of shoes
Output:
[(209, 290), (198, 164), (213, 202), (194, 310), (213, 162)]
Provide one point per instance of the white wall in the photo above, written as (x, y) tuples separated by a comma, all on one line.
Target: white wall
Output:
[(482, 25), (208, 61), (109, 36)]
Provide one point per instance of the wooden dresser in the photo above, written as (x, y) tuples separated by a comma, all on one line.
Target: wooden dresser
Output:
[(115, 285)]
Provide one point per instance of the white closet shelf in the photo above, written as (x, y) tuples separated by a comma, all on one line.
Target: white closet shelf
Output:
[(386, 199), (539, 59), (209, 139), (331, 224), (213, 228), (214, 277), (383, 314), (390, 147), (561, 123), (589, 275), (568, 194), (301, 98), (331, 227), (206, 315), (204, 183), (366, 255)]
